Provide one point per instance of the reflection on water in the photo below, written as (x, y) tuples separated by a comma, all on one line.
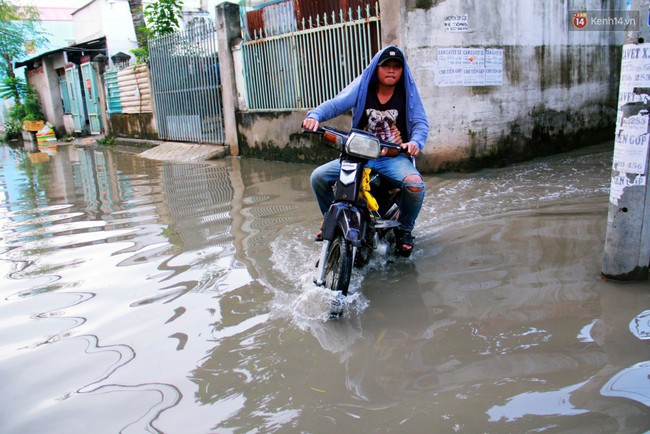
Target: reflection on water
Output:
[(555, 402), (140, 296)]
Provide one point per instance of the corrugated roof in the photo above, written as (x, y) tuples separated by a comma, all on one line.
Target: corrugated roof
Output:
[(79, 47)]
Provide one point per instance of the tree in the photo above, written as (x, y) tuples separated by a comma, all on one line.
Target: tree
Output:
[(162, 18), (138, 22), (12, 88), (19, 29)]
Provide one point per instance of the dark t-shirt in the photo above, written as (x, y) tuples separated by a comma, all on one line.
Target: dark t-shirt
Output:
[(387, 121)]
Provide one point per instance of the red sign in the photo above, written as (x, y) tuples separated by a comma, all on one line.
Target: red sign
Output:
[(580, 20)]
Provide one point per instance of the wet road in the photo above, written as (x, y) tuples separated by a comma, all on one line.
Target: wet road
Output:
[(141, 296)]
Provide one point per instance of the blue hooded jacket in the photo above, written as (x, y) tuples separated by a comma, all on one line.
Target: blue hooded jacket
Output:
[(354, 97)]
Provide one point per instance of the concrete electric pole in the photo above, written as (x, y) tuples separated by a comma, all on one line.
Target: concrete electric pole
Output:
[(627, 243)]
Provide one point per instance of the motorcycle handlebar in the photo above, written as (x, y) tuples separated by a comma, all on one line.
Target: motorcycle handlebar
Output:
[(386, 145)]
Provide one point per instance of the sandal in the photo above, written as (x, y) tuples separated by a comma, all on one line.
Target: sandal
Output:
[(403, 242), (319, 235)]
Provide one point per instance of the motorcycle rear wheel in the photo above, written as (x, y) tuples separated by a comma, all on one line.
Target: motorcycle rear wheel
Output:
[(338, 266)]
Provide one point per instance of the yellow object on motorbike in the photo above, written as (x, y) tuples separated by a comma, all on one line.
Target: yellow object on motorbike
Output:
[(365, 191)]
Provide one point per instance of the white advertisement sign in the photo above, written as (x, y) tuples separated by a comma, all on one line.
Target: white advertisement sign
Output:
[(456, 23), (631, 141), (469, 67)]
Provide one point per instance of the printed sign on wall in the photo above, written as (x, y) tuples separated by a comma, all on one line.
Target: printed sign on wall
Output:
[(469, 67), (456, 23)]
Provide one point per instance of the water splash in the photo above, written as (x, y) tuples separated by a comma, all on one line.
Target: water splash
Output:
[(298, 297)]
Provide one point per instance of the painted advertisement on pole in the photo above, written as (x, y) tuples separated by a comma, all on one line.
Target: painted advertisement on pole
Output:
[(631, 140)]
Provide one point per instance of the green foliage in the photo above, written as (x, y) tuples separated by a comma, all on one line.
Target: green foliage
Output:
[(17, 112), (33, 110), (142, 53), (14, 121), (12, 129), (29, 110), (163, 17), (19, 28), (108, 141), (13, 88)]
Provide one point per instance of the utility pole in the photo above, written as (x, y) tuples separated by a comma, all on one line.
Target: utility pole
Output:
[(228, 31), (627, 242)]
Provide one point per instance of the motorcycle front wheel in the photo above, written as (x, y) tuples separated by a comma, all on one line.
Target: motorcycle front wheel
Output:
[(338, 267)]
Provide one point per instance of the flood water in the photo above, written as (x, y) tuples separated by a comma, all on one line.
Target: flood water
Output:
[(146, 296)]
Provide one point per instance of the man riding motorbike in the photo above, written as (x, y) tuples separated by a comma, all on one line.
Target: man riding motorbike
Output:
[(384, 100)]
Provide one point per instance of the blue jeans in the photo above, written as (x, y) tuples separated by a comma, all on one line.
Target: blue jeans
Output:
[(396, 169)]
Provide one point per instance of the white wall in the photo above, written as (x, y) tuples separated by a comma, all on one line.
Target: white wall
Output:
[(88, 22), (557, 84), (110, 18), (118, 27)]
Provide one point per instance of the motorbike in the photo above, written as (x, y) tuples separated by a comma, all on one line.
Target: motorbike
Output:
[(363, 215)]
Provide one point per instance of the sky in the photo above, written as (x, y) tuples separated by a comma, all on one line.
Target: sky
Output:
[(79, 3), (53, 3)]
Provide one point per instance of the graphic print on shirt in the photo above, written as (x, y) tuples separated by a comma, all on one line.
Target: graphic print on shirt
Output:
[(384, 125)]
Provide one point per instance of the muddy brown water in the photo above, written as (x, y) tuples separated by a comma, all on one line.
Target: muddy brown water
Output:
[(143, 296)]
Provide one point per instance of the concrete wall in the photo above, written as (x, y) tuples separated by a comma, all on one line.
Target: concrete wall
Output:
[(106, 18), (133, 125), (118, 28), (277, 136), (52, 106), (558, 88), (46, 82), (88, 21), (134, 85), (137, 119)]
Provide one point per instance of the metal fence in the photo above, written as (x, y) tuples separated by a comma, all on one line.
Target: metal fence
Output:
[(113, 104), (301, 69), (186, 86)]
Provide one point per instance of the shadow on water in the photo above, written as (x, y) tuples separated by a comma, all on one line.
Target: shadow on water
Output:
[(138, 295)]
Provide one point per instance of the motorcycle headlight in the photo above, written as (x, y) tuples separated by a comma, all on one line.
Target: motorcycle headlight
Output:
[(362, 146)]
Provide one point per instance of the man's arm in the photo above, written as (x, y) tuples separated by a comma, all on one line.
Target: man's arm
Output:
[(419, 123), (341, 103)]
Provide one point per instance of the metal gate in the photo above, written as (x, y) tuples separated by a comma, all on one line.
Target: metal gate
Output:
[(113, 104), (92, 101), (294, 66), (77, 104), (65, 94), (186, 86)]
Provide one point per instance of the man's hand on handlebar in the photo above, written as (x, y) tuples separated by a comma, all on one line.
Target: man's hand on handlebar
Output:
[(411, 148), (310, 124)]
